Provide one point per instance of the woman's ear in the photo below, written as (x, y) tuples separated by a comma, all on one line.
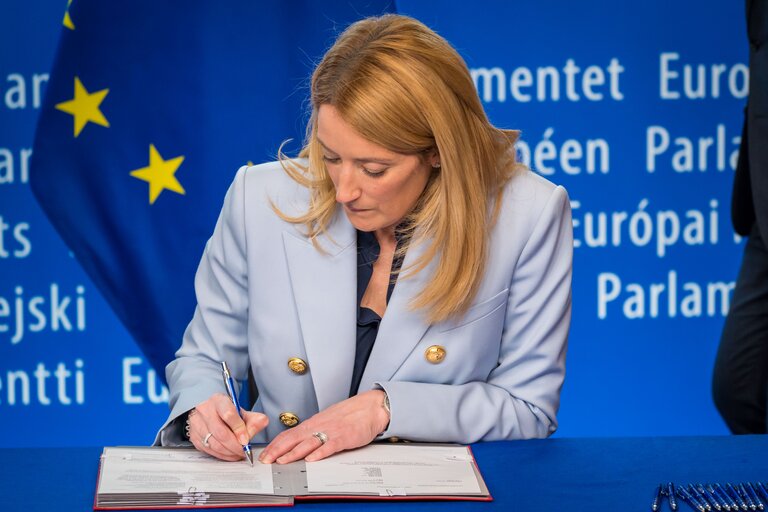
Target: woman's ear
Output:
[(433, 157)]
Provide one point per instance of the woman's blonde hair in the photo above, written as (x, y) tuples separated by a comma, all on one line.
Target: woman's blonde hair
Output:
[(403, 87)]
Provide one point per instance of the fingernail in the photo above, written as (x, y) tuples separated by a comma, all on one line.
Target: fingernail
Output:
[(243, 439)]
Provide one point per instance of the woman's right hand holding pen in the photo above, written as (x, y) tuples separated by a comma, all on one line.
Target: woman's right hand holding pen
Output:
[(216, 428)]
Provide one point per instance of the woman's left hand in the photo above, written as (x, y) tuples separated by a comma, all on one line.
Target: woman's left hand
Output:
[(349, 424)]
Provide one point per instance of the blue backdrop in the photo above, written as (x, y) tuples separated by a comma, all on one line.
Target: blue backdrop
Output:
[(636, 110)]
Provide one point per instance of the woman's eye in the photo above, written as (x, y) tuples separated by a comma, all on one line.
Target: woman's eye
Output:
[(374, 173), (331, 160)]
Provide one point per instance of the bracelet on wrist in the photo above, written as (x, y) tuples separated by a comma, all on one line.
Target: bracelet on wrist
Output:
[(186, 422), (386, 406)]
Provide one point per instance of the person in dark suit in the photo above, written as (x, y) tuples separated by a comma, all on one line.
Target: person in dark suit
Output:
[(740, 380)]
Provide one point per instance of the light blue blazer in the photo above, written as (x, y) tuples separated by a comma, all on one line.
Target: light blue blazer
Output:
[(266, 295)]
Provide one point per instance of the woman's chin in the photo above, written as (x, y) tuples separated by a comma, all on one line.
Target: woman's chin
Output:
[(360, 223)]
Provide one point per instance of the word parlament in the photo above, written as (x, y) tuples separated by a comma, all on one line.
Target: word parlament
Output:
[(570, 82)]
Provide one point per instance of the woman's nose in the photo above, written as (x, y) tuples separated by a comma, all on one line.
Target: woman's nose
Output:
[(347, 188)]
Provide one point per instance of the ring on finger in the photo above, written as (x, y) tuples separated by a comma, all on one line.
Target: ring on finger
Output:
[(206, 438), (321, 436)]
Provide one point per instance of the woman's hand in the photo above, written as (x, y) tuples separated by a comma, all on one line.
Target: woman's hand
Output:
[(348, 424), (218, 417)]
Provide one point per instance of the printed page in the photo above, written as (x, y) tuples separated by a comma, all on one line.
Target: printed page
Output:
[(174, 470), (395, 470)]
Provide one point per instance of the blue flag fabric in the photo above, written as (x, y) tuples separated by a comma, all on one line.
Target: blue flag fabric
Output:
[(150, 109)]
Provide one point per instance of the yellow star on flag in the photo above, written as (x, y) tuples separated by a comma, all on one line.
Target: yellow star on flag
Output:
[(67, 20), (85, 107), (160, 174)]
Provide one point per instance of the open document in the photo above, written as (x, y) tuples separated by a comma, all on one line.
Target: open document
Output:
[(150, 477), (145, 477)]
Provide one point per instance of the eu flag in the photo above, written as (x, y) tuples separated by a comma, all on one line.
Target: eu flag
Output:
[(150, 109)]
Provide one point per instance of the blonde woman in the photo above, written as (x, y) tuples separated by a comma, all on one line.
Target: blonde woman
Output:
[(403, 278)]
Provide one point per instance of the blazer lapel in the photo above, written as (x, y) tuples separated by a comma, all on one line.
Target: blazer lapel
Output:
[(324, 286), (401, 328)]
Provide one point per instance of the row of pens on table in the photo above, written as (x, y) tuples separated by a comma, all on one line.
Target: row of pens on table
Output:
[(708, 497)]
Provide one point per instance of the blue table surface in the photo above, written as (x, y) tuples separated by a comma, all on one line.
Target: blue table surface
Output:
[(589, 474)]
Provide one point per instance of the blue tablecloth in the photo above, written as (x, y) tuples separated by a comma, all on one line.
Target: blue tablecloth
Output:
[(611, 474)]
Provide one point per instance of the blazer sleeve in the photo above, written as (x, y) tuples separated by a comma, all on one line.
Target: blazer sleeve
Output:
[(218, 328), (521, 396)]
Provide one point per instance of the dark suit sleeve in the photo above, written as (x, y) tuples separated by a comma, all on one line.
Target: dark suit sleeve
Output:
[(742, 207)]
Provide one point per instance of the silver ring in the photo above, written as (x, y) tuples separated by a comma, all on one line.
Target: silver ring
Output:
[(322, 436), (206, 438)]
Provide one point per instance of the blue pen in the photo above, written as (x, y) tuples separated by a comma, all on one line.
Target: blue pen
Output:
[(726, 499), (735, 494), (716, 495), (761, 491), (685, 496), (230, 385), (755, 498), (709, 497), (745, 495), (762, 495), (656, 504), (671, 496), (699, 497), (726, 496)]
